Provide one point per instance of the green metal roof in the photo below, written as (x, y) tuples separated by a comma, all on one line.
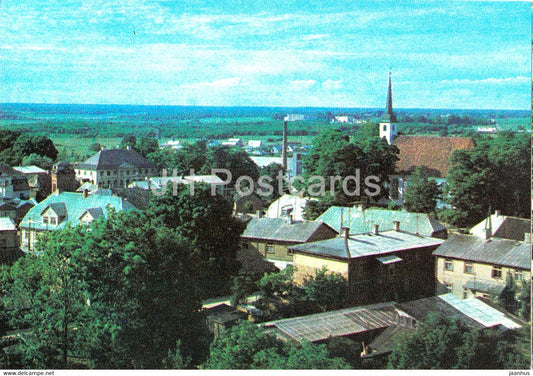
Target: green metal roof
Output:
[(361, 221), (74, 205)]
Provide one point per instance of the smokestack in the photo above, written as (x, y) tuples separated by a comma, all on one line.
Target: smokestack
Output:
[(375, 230), (85, 193), (396, 225), (259, 214), (290, 220), (284, 151)]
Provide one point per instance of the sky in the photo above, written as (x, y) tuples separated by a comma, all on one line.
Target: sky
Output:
[(322, 53)]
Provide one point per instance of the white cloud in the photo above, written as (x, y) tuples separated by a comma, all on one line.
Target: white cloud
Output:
[(303, 84), (332, 85)]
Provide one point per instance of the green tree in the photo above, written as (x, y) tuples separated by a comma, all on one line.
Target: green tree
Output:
[(27, 144), (117, 296), (494, 174), (325, 290), (444, 343), (128, 141), (525, 301), (421, 193), (37, 160), (146, 145), (247, 346), (95, 146), (507, 297), (207, 221)]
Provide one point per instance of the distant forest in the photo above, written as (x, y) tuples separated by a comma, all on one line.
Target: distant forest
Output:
[(97, 121)]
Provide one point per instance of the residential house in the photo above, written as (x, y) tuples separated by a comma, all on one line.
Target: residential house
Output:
[(114, 168), (159, 183), (38, 180), (378, 266), (254, 144), (288, 205), (66, 209), (13, 184), (272, 237), (246, 204), (234, 142), (294, 163), (468, 265), (172, 144), (15, 208), (361, 221), (502, 226), (9, 247), (63, 177)]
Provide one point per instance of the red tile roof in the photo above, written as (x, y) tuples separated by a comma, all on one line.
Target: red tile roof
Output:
[(430, 152)]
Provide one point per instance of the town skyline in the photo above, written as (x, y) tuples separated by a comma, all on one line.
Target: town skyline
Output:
[(468, 55)]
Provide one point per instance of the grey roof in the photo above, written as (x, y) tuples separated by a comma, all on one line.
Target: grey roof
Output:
[(277, 229), (503, 226), (343, 322), (109, 159), (94, 212), (29, 170), (361, 221), (494, 251), (473, 312), (385, 342), (367, 244), (57, 207), (8, 170), (493, 288)]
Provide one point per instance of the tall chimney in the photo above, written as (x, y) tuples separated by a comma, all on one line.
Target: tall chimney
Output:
[(375, 229), (284, 151), (396, 225)]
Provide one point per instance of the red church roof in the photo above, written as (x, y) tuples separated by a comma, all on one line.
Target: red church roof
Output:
[(431, 152)]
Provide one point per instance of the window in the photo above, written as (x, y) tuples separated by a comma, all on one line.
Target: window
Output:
[(395, 189), (45, 220), (289, 251), (518, 276), (108, 173), (269, 248), (384, 127), (497, 272), (465, 293), (53, 221), (448, 265), (469, 268)]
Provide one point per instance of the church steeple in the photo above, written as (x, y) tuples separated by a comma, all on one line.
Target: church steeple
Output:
[(388, 115), (387, 123)]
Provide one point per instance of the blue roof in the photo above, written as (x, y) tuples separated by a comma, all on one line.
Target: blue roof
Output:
[(361, 221), (72, 206)]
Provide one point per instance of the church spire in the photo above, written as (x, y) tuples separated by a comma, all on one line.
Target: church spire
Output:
[(388, 115)]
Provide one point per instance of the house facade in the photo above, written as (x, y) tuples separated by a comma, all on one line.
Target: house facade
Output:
[(378, 266), (66, 209), (471, 266), (111, 168), (272, 237), (13, 184)]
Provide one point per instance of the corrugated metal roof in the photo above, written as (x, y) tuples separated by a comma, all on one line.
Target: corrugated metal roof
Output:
[(277, 229), (367, 244), (343, 322), (481, 312), (361, 221), (493, 251), (482, 285)]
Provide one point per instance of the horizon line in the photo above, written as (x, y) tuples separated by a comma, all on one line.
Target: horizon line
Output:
[(257, 106)]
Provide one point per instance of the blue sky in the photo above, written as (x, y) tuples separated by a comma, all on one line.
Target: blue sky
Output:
[(460, 54)]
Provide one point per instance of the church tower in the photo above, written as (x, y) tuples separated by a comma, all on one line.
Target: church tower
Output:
[(387, 124)]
